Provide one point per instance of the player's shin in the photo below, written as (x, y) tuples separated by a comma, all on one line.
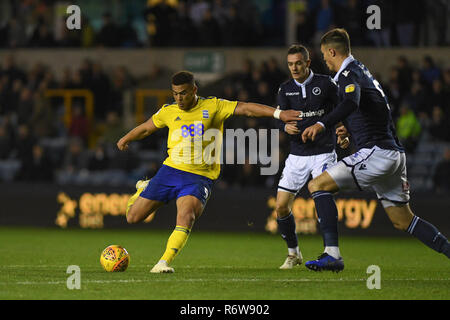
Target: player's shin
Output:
[(328, 218), (176, 242), (429, 235), (286, 227)]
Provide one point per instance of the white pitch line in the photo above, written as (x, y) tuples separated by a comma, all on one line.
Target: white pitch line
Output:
[(209, 280), (134, 266)]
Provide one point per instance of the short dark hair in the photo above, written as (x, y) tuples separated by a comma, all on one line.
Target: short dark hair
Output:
[(298, 48), (338, 39), (183, 77)]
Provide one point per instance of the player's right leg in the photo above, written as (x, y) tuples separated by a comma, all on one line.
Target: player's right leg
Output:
[(322, 189), (336, 177)]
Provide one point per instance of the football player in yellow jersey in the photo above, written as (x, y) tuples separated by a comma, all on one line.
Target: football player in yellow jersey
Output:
[(194, 144)]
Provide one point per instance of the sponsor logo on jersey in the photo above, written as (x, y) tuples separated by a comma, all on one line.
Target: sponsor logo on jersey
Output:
[(292, 93), (345, 73), (315, 113), (205, 114)]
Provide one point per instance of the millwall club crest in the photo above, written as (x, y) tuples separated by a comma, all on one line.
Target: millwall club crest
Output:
[(316, 91)]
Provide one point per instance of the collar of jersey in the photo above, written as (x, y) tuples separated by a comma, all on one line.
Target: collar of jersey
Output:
[(304, 83), (344, 65)]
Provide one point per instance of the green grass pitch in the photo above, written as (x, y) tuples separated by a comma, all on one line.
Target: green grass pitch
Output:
[(213, 266)]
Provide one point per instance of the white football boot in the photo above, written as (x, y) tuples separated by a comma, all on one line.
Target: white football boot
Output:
[(162, 267), (291, 261)]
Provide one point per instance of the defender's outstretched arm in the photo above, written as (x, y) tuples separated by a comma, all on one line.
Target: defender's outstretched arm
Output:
[(250, 109)]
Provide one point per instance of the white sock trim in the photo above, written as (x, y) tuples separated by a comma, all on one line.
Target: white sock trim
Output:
[(294, 251), (333, 251)]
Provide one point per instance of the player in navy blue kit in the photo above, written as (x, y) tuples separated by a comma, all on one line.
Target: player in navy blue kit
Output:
[(315, 96), (379, 163)]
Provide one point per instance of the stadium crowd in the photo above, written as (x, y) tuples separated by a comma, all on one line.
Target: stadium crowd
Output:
[(35, 143), (192, 23)]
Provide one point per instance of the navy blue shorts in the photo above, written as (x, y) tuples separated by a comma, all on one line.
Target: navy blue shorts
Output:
[(170, 183)]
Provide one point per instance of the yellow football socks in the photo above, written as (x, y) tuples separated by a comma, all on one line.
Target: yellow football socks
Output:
[(176, 242)]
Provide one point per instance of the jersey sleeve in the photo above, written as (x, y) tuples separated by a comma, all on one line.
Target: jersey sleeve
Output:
[(349, 87), (225, 108), (350, 94), (282, 102), (333, 92), (159, 118)]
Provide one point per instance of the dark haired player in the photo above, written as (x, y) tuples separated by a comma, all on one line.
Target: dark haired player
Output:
[(379, 163), (187, 174), (314, 95)]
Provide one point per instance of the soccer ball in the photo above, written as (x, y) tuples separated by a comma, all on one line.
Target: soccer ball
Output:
[(115, 259)]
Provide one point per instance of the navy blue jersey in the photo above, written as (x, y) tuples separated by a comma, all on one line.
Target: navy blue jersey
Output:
[(315, 97), (363, 108)]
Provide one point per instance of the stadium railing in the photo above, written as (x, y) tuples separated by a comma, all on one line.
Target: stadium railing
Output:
[(68, 95)]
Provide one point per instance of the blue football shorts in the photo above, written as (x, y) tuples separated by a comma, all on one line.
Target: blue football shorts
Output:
[(170, 183)]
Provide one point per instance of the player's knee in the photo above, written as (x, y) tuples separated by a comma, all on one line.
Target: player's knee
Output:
[(401, 224), (314, 185), (132, 218), (282, 210), (186, 217), (400, 216)]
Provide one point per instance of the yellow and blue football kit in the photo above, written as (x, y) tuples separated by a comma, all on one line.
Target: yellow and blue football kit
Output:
[(194, 148)]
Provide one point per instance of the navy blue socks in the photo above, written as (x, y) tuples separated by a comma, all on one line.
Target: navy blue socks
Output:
[(286, 227), (328, 217), (429, 235)]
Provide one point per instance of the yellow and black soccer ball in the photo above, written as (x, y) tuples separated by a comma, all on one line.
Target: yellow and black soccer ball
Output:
[(115, 258)]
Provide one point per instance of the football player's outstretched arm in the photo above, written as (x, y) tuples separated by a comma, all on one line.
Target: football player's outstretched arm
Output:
[(140, 132), (250, 109)]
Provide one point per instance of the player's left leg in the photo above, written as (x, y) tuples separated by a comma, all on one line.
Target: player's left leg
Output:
[(393, 191), (404, 219), (189, 209)]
